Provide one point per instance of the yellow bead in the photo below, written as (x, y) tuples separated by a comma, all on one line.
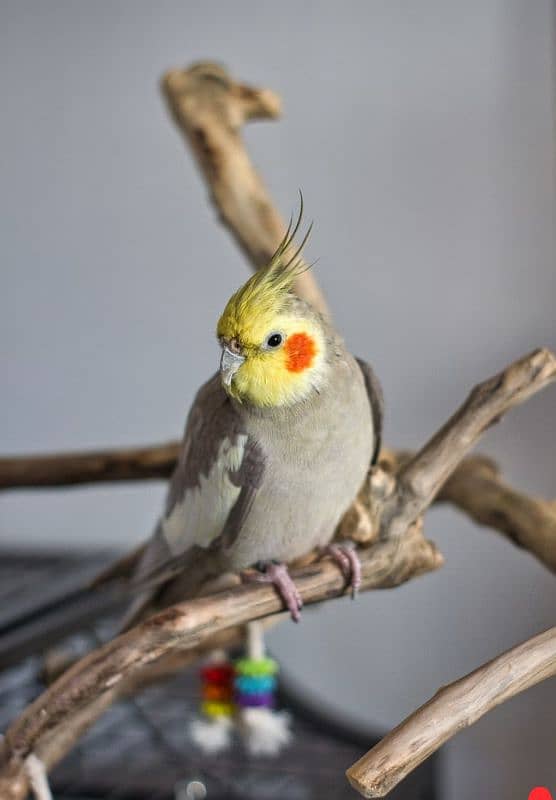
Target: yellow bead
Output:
[(214, 708)]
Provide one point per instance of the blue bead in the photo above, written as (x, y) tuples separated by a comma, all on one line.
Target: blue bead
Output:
[(252, 685)]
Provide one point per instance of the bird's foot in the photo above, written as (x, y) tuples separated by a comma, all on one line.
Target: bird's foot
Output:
[(277, 574), (345, 555)]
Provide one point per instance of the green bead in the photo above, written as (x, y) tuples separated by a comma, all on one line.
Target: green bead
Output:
[(256, 667)]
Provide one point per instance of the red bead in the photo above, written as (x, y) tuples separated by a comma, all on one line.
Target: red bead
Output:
[(217, 673)]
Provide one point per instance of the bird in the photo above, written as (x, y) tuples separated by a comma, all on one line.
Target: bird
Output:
[(276, 446)]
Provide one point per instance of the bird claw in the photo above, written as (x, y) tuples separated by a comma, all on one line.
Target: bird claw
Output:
[(279, 577), (345, 555)]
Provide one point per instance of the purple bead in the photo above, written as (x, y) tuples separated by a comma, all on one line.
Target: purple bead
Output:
[(261, 699)]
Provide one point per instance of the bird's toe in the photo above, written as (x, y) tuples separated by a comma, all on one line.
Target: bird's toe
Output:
[(279, 576), (345, 555)]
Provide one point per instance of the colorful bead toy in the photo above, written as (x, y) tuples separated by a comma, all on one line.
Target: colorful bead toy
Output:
[(241, 697), (255, 682), (218, 689)]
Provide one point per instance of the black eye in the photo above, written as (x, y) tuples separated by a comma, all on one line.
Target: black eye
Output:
[(274, 340)]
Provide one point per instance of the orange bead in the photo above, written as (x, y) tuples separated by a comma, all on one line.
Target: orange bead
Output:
[(215, 692)]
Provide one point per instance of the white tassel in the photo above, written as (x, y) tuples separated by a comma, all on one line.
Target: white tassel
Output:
[(212, 736), (38, 778), (265, 732)]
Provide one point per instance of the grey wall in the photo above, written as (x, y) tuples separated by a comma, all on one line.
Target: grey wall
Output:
[(423, 137)]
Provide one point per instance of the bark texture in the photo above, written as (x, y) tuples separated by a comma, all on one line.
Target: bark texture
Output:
[(452, 709)]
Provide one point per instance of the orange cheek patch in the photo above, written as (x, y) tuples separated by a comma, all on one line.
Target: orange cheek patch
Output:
[(300, 352)]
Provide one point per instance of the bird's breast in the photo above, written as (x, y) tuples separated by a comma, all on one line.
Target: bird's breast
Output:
[(315, 463)]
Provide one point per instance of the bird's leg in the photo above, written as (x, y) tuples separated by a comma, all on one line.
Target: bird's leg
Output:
[(345, 555), (276, 573)]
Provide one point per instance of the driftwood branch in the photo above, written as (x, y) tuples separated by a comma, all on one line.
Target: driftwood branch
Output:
[(420, 480), (452, 709), (184, 627), (52, 748), (93, 466), (477, 489)]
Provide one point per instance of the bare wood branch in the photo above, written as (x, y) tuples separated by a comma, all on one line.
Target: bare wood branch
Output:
[(60, 740), (55, 745), (187, 626), (14, 783), (419, 481), (452, 709), (477, 488), (92, 466), (210, 108)]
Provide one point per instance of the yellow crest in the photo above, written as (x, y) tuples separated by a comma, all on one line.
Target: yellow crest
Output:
[(254, 307)]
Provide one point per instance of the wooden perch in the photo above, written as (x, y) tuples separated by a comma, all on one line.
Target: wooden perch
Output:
[(62, 738), (421, 478), (186, 626), (477, 488), (452, 709), (93, 466)]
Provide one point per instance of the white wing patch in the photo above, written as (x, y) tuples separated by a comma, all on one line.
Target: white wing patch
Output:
[(200, 517)]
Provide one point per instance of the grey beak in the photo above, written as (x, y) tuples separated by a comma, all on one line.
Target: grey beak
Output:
[(229, 365)]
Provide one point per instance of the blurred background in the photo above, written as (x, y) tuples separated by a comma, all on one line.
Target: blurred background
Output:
[(423, 138)]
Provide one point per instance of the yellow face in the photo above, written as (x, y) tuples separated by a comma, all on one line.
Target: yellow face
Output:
[(270, 357)]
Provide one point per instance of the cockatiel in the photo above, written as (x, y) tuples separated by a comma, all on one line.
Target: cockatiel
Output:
[(276, 447)]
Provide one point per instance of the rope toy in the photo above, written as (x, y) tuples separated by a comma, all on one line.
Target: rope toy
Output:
[(244, 694)]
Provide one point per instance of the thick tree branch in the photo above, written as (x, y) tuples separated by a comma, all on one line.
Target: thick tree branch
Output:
[(421, 478), (452, 709), (188, 626), (477, 489), (54, 746), (92, 466)]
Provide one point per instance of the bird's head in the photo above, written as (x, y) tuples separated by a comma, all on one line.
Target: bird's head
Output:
[(273, 343)]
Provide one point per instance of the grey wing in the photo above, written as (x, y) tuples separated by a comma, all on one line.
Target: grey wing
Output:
[(210, 494), (247, 478), (376, 399), (218, 473)]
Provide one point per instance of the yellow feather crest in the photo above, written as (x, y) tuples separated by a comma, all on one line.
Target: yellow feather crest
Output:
[(254, 307)]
